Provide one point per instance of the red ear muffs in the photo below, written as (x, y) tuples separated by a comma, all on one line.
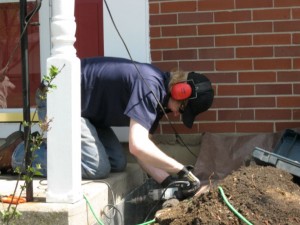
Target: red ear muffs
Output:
[(181, 91)]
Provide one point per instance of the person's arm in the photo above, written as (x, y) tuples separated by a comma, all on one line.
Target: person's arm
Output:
[(156, 163)]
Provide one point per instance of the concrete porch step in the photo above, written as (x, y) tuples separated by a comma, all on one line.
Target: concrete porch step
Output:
[(98, 193)]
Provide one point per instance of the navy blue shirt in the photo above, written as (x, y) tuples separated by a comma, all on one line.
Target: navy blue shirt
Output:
[(112, 91)]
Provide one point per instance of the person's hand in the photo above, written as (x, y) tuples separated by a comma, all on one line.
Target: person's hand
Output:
[(187, 189), (190, 183)]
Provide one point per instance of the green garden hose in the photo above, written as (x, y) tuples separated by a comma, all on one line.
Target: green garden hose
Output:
[(148, 222), (92, 210), (101, 223), (232, 208)]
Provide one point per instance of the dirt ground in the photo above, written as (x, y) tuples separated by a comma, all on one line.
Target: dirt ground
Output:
[(260, 194)]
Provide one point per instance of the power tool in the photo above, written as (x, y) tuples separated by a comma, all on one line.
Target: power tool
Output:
[(161, 194), (185, 185)]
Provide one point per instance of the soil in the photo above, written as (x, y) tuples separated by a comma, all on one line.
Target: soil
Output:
[(261, 194)]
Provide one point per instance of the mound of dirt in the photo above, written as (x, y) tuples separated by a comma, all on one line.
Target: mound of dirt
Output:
[(259, 194)]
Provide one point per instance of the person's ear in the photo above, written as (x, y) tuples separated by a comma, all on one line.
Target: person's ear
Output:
[(181, 91)]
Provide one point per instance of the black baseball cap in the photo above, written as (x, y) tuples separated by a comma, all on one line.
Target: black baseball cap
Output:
[(200, 100)]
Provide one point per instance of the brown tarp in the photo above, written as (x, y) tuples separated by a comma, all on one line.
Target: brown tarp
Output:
[(220, 154)]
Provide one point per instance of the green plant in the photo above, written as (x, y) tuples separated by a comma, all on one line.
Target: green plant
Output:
[(35, 142)]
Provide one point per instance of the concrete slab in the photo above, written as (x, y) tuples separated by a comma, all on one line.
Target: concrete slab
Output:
[(98, 194)]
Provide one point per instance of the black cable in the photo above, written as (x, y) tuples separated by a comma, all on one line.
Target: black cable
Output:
[(115, 209), (113, 205), (38, 4), (172, 184), (178, 137)]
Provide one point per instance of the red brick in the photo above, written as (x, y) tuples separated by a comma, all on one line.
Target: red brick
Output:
[(233, 40), (221, 102), (163, 19), (271, 64), (296, 88), (178, 6), (257, 77), (235, 90), (288, 101), (197, 65), (154, 8), (286, 3), (210, 115), (171, 117), (296, 114), (216, 23), (273, 89), (215, 5), (271, 14), (195, 17), (164, 43), (273, 114), (285, 26), (254, 52), (216, 53), (296, 63), (156, 55), (235, 115), (180, 128), (233, 65), (257, 27), (254, 127), (280, 126), (242, 4), (271, 39), (179, 31), (179, 54), (296, 13), (288, 76), (166, 66), (291, 51), (214, 29), (196, 42), (257, 102), (219, 78), (215, 89), (230, 16), (296, 38), (220, 127), (155, 32)]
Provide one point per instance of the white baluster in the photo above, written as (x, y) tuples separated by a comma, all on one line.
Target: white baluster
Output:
[(63, 104)]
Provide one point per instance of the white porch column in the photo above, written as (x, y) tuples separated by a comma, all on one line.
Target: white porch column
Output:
[(63, 105)]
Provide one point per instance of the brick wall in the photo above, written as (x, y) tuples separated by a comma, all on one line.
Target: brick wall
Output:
[(248, 48)]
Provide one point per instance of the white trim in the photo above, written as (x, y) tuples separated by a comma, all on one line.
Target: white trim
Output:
[(45, 39), (132, 20)]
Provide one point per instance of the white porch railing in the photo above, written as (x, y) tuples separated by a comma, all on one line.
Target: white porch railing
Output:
[(63, 105)]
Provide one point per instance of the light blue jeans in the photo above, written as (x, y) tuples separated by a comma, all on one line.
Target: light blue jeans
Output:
[(101, 153)]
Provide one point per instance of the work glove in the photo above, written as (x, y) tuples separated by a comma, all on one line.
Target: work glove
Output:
[(168, 181), (190, 185)]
